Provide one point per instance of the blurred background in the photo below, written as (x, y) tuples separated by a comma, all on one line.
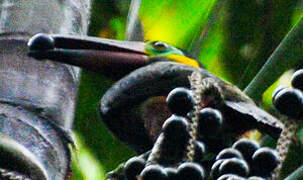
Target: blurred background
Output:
[(231, 38)]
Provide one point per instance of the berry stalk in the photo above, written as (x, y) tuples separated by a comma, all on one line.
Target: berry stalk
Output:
[(155, 153), (196, 86), (284, 143)]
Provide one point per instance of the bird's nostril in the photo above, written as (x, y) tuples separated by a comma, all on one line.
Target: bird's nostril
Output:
[(41, 42)]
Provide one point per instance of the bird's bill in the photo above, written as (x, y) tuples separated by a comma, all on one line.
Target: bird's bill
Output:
[(109, 57)]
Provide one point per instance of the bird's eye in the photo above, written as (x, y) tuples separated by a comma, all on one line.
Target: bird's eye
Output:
[(160, 46)]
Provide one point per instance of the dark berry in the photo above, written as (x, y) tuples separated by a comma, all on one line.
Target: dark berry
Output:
[(297, 79), (176, 128), (255, 178), (171, 173), (289, 102), (246, 147), (210, 121), (192, 171), (214, 172), (278, 90), (234, 166), (230, 177), (133, 167), (199, 151), (153, 172), (41, 42), (180, 101), (265, 160), (229, 153)]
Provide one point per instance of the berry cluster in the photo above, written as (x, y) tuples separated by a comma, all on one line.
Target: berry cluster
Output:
[(169, 157), (245, 159), (289, 100), (137, 167), (168, 160), (210, 121)]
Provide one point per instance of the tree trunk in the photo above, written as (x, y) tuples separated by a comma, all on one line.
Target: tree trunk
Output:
[(37, 99)]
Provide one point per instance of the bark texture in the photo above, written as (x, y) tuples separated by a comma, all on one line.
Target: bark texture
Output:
[(37, 99)]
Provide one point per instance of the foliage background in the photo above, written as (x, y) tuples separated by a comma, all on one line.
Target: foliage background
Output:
[(231, 38)]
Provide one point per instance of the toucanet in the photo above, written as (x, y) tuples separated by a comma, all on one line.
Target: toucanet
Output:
[(134, 108)]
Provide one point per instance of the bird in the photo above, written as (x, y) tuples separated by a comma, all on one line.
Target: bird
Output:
[(134, 108)]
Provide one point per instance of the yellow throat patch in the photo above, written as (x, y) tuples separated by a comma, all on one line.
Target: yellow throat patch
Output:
[(183, 60)]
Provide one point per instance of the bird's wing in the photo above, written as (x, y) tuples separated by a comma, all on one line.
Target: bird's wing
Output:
[(257, 117)]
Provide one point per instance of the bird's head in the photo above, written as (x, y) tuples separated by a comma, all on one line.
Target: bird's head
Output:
[(111, 58), (161, 51)]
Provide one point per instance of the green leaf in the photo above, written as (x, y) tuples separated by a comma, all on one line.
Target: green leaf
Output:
[(287, 55), (297, 175), (175, 22), (85, 165)]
